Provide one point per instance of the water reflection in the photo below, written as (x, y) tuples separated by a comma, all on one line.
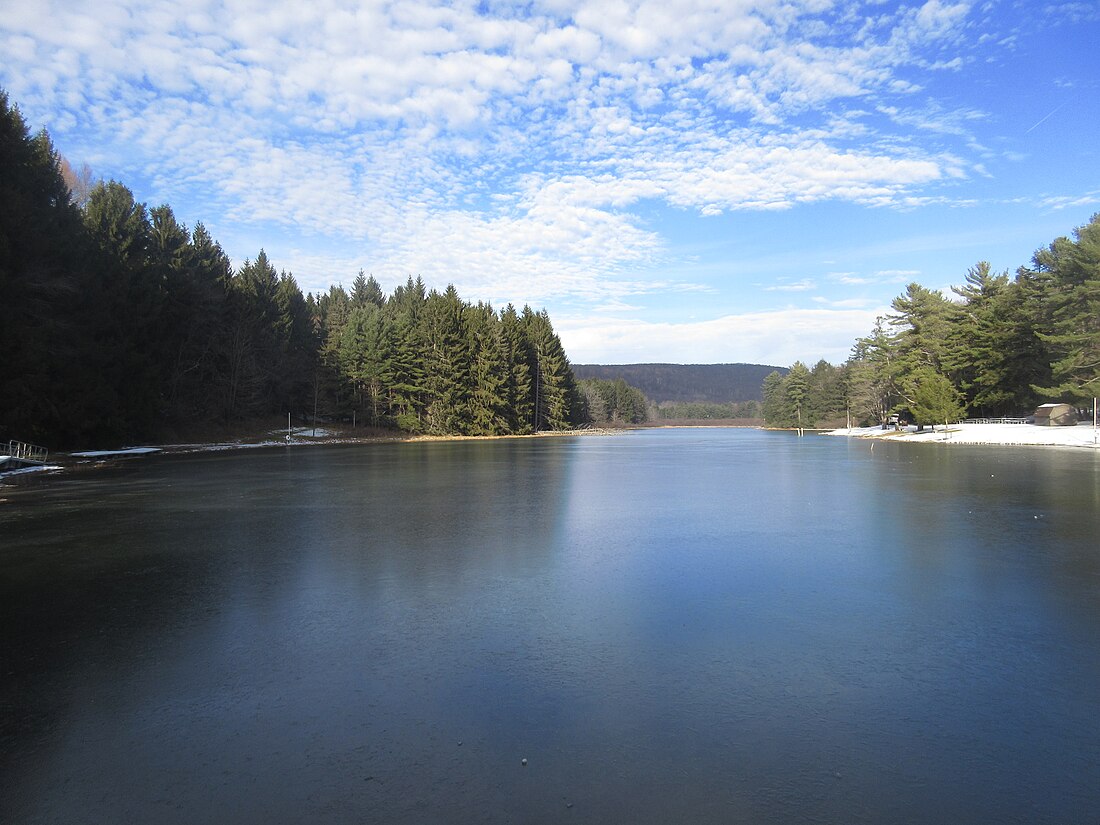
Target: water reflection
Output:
[(706, 626)]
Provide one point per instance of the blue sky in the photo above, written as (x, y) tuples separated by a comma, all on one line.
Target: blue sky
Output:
[(679, 180)]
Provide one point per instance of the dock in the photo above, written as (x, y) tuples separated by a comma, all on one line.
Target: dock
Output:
[(18, 455)]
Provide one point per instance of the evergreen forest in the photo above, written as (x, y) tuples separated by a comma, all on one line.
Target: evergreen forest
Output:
[(122, 324), (999, 346)]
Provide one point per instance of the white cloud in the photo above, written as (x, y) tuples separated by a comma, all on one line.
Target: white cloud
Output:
[(881, 276), (777, 338), (847, 303), (1058, 202), (898, 275), (510, 150), (933, 117), (615, 306), (804, 285)]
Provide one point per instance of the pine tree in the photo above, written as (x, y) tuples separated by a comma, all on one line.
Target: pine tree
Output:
[(253, 350), (775, 407), (296, 379), (333, 311), (796, 386), (364, 359), (44, 334), (922, 318), (554, 385), (202, 307), (932, 397), (407, 356), (169, 265), (366, 290), (872, 376), (1074, 332), (518, 387), (126, 312), (975, 356), (359, 290), (826, 402), (1021, 316), (447, 363), (488, 403)]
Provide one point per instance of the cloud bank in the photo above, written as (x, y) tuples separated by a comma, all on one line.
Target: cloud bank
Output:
[(525, 153)]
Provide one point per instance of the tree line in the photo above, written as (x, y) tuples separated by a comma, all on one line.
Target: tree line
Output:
[(703, 411), (999, 346), (613, 402), (120, 323), (718, 384)]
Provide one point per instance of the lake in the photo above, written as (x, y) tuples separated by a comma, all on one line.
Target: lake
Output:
[(699, 626)]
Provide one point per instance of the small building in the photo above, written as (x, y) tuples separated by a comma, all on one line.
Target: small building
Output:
[(1056, 415)]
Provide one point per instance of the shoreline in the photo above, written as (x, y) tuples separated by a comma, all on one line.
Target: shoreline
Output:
[(64, 463), (1081, 435)]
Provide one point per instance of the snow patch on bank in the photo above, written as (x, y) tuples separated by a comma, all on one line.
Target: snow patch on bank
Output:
[(1027, 435), (300, 435), (109, 453), (25, 470)]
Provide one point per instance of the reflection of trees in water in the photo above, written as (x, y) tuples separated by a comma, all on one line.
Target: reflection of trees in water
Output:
[(440, 508), (221, 577), (102, 589), (983, 517), (265, 623)]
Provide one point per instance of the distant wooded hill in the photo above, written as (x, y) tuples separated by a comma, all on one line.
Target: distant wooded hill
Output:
[(712, 383)]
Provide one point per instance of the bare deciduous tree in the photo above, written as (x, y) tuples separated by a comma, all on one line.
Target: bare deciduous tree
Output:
[(80, 182)]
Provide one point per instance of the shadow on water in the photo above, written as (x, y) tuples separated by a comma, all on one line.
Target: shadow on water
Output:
[(203, 594)]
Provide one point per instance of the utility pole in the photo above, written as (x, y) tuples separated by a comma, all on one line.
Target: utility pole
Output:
[(316, 379)]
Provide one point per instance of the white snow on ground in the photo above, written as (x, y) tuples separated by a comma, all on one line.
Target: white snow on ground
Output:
[(39, 469), (301, 435), (1081, 435), (106, 453), (225, 445)]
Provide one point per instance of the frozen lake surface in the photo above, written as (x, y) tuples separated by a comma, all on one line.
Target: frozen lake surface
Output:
[(705, 626)]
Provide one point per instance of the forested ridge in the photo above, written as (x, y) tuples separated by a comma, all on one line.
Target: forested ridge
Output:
[(690, 383), (122, 324), (999, 347)]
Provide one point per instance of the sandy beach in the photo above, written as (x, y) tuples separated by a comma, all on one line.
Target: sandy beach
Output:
[(1027, 435)]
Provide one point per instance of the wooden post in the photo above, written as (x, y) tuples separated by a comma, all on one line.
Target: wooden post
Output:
[(315, 405)]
